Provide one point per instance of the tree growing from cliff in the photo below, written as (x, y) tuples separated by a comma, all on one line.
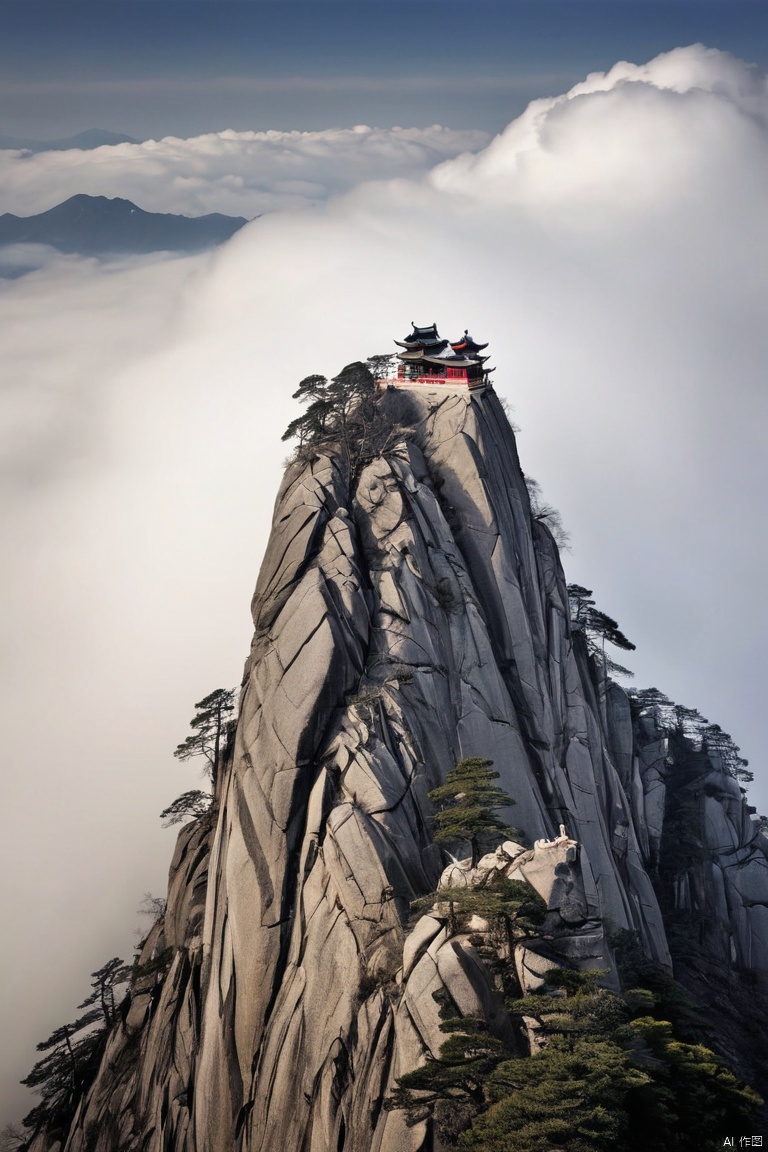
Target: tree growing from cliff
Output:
[(571, 1095), (72, 1053), (599, 626), (466, 805), (105, 984), (381, 366), (606, 1077), (692, 1089), (345, 414), (153, 907), (484, 1096), (190, 805), (690, 724), (334, 408), (714, 739), (61, 1076), (451, 1087), (599, 629), (210, 726), (547, 514)]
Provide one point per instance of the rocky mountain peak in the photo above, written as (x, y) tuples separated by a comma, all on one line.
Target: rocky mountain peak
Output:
[(406, 616)]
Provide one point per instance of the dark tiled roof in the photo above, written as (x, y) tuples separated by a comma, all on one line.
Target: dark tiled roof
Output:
[(467, 345), (428, 337), (422, 356), (425, 346)]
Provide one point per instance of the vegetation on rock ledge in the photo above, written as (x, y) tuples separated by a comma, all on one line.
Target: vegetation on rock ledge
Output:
[(588, 1070), (346, 415), (73, 1053), (607, 1072), (466, 804)]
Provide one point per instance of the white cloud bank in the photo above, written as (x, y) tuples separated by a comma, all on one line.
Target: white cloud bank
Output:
[(610, 244), (237, 173)]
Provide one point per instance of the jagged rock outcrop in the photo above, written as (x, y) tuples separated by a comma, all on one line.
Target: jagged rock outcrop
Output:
[(145, 1083), (402, 621), (711, 865), (712, 856)]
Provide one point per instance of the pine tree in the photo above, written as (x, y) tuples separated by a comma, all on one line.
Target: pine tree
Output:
[(546, 513), (701, 1096), (570, 1095), (598, 627), (192, 804), (210, 724), (104, 982), (72, 1055), (466, 804), (12, 1139), (73, 1052), (345, 416), (453, 1084), (716, 740), (314, 423), (339, 410)]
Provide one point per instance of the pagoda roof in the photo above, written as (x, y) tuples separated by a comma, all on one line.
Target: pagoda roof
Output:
[(415, 353), (429, 333), (466, 344), (428, 337), (442, 359), (425, 346)]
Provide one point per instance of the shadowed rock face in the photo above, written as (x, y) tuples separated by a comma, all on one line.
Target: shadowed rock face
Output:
[(402, 623)]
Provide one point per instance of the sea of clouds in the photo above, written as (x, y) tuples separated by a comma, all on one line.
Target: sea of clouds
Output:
[(237, 173), (609, 244)]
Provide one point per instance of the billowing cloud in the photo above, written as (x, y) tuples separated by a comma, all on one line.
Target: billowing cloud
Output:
[(237, 173), (610, 245), (63, 328)]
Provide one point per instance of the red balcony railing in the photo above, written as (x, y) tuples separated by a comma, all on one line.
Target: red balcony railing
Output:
[(435, 381)]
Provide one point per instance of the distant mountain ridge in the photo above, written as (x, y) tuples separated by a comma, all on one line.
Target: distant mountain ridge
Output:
[(97, 225), (90, 138)]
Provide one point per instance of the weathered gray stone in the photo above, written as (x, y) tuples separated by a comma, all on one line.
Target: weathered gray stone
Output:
[(413, 617), (531, 968), (512, 849), (750, 879), (417, 942)]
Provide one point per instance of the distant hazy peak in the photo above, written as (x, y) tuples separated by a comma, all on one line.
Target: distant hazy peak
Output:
[(93, 225), (87, 140)]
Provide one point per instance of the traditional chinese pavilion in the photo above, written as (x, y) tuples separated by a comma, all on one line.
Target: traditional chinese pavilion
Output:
[(428, 360)]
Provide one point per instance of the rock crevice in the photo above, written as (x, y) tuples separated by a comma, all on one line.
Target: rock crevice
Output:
[(414, 617)]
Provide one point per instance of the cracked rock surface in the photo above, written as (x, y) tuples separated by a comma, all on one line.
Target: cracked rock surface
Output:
[(402, 622)]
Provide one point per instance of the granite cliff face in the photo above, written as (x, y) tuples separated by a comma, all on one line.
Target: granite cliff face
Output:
[(402, 622)]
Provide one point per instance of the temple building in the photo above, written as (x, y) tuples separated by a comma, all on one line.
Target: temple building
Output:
[(428, 361)]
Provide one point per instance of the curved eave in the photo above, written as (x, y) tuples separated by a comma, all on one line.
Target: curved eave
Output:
[(421, 349), (472, 347), (442, 361), (458, 361), (420, 355)]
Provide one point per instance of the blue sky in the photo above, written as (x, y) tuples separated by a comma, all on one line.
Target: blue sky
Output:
[(156, 67)]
